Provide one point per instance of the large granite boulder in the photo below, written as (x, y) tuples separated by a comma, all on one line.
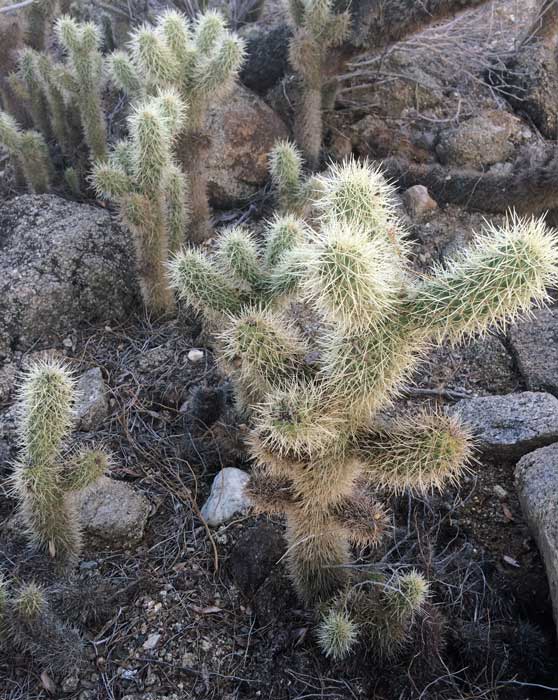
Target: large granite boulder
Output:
[(62, 265)]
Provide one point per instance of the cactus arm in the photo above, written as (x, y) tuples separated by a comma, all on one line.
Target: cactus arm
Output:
[(85, 468), (363, 519), (495, 280), (285, 167), (199, 283), (420, 454), (175, 189), (239, 256)]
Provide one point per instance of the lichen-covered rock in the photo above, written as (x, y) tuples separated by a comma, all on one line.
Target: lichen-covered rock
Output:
[(510, 426), (534, 342), (490, 137), (243, 131), (92, 400), (113, 512), (536, 478), (62, 264), (227, 496)]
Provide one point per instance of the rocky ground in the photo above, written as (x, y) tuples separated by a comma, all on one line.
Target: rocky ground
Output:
[(176, 604)]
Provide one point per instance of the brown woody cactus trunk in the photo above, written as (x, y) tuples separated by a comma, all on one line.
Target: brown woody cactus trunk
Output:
[(192, 152)]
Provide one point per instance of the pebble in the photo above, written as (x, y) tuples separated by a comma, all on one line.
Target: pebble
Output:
[(151, 642), (195, 355)]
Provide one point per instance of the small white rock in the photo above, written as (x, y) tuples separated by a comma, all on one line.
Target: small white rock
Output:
[(195, 355), (227, 496), (152, 641)]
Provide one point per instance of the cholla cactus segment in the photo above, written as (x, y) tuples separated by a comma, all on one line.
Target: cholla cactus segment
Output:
[(176, 196), (492, 282), (85, 468), (208, 31), (295, 422), (337, 634), (30, 602), (268, 492), (199, 283), (351, 279), (10, 133), (216, 72), (364, 372), (239, 255), (405, 595), (420, 454), (151, 139), (316, 556), (172, 109), (37, 166), (45, 405), (364, 519), (124, 74), (358, 194), (269, 350), (285, 167), (82, 43), (110, 181), (175, 29), (282, 235), (153, 58)]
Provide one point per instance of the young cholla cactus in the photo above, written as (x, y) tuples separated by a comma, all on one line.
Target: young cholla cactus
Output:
[(200, 61), (150, 189), (39, 18), (45, 477), (28, 622), (81, 78), (317, 29), (29, 151), (377, 611), (319, 455)]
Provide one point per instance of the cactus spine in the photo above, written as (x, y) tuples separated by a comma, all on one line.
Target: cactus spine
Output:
[(46, 476), (318, 455), (82, 79), (150, 190), (29, 151), (317, 29), (200, 60)]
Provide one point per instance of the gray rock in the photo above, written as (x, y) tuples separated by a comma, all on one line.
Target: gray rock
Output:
[(536, 478), (510, 426), (490, 137), (535, 345), (62, 264), (418, 202), (227, 496), (113, 512), (243, 131), (92, 400)]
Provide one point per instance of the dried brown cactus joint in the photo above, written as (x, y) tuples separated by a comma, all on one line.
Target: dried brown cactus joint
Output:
[(318, 456)]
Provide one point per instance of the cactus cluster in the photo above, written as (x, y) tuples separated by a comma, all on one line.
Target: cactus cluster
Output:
[(48, 473), (200, 61), (318, 28), (315, 389), (29, 152), (150, 189), (28, 622), (377, 611)]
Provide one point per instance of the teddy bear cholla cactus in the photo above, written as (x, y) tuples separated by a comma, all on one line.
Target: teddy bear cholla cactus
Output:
[(81, 79), (318, 453), (46, 475), (199, 60), (28, 622), (317, 30), (29, 152), (142, 177)]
